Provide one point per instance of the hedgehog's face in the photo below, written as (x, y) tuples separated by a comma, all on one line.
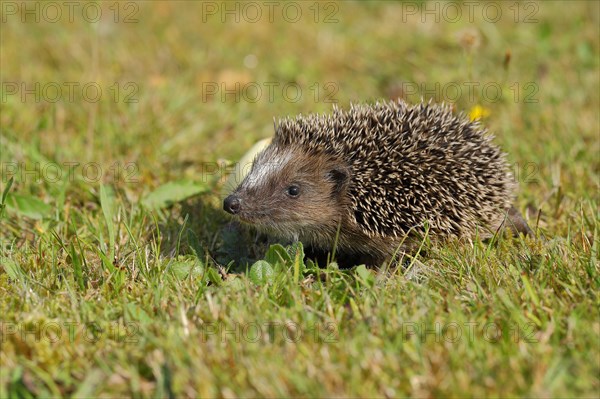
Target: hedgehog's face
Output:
[(291, 193)]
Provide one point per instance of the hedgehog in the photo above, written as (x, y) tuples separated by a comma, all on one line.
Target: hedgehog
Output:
[(373, 179)]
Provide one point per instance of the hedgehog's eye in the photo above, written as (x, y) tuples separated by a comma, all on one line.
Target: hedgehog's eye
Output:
[(293, 191)]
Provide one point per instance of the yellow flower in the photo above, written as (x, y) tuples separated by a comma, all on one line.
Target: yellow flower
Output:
[(478, 112)]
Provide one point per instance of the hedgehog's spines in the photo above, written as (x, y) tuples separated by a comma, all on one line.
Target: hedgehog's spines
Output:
[(448, 172)]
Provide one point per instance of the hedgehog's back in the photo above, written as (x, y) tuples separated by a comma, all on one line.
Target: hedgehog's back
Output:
[(410, 165)]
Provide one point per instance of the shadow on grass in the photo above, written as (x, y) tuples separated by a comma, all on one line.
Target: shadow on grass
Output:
[(197, 226)]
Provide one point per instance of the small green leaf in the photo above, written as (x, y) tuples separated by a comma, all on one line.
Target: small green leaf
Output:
[(172, 192), (261, 272), (28, 206), (365, 275), (296, 250), (187, 265), (214, 276), (310, 265), (277, 254)]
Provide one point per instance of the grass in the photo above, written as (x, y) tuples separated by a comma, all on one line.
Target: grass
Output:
[(121, 276)]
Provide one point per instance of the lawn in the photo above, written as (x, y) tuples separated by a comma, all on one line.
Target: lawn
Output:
[(121, 276)]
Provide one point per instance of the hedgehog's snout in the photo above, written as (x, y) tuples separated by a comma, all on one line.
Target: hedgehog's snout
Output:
[(232, 204)]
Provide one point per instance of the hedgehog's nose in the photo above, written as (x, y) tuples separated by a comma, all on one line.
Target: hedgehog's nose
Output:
[(231, 204)]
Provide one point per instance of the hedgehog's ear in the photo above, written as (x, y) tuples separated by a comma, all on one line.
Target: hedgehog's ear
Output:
[(339, 176)]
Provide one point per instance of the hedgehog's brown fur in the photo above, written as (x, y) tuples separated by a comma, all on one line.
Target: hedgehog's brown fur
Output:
[(380, 173)]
